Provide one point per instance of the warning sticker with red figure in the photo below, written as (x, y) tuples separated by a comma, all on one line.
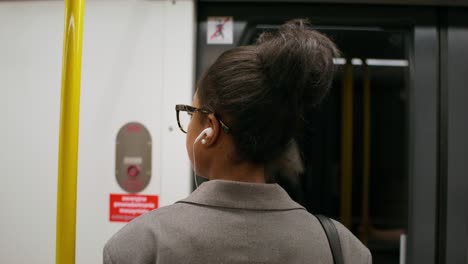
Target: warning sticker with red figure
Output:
[(220, 30), (126, 207)]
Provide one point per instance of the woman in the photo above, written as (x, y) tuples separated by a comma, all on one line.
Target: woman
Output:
[(246, 112)]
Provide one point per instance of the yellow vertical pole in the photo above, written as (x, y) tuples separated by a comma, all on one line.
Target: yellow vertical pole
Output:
[(69, 124), (347, 145), (366, 153)]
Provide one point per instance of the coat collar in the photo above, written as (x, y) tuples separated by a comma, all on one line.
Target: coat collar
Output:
[(241, 195)]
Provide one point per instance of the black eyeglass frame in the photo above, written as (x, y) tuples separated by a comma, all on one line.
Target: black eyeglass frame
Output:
[(191, 109)]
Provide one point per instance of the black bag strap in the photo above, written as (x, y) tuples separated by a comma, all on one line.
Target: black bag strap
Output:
[(333, 238)]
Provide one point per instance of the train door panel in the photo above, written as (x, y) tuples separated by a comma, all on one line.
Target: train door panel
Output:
[(369, 149)]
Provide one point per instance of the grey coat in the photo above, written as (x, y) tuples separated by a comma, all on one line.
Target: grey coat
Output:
[(230, 222)]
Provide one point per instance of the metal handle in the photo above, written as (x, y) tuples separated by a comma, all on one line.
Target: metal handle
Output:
[(402, 248)]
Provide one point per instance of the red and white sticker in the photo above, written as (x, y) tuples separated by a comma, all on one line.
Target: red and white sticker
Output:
[(126, 207), (220, 30)]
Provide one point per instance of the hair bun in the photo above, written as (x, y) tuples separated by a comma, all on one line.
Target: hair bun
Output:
[(297, 62)]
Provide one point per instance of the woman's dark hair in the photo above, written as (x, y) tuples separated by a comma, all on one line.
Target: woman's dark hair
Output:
[(261, 91)]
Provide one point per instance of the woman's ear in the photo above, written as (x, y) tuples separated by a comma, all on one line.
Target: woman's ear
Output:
[(214, 124)]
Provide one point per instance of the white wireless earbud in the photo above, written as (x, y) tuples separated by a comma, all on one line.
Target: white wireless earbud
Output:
[(207, 131)]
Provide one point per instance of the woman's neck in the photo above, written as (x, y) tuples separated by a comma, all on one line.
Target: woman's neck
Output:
[(242, 172)]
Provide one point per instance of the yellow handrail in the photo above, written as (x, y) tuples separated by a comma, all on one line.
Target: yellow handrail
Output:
[(347, 145), (69, 128), (366, 153)]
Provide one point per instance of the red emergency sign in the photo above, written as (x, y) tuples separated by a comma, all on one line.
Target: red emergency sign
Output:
[(126, 207)]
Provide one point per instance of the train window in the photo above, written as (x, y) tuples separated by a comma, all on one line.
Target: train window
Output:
[(355, 146)]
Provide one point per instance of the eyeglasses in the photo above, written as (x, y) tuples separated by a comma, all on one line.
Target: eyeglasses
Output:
[(184, 116)]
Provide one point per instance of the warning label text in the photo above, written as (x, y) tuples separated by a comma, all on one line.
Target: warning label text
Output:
[(126, 207)]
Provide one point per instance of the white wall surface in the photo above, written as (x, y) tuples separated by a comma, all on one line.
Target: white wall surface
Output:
[(137, 64), (30, 73)]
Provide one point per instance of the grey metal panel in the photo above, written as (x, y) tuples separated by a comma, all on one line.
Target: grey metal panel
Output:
[(133, 157), (457, 137), (442, 177), (385, 2), (423, 147)]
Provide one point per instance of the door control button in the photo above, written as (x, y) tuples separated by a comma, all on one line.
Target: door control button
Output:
[(133, 171)]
